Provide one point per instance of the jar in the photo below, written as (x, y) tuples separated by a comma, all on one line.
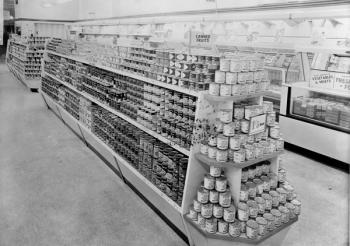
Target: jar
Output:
[(197, 206), (212, 151), (266, 183), (239, 156), (270, 118), (249, 152), (214, 89), (253, 208), (270, 221), (284, 213), (244, 126), (268, 201), (262, 225), (235, 89), (212, 141), (259, 186), (243, 194), (225, 90), (229, 214), (213, 196), (225, 115), (275, 132), (218, 211), (222, 142), (209, 182), (229, 129), (193, 214), (251, 189), (222, 227), (220, 77), (291, 209), (202, 195), (231, 78), (224, 65), (201, 221), (211, 225), (221, 184), (215, 171), (244, 176), (261, 204), (207, 210), (204, 148), (234, 229), (235, 142), (235, 65), (243, 212), (252, 229), (297, 205), (278, 217), (225, 199), (275, 198), (282, 195)]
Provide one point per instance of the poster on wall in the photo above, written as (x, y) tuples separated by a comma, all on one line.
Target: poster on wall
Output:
[(1, 21)]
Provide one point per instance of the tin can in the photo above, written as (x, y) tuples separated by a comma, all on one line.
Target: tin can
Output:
[(261, 204), (197, 206), (297, 205), (238, 112), (218, 211), (235, 89), (212, 141), (275, 198), (229, 129), (241, 77), (212, 152), (239, 156), (258, 169), (251, 172), (244, 194), (204, 148), (225, 199), (243, 212), (225, 90), (275, 132), (222, 142), (193, 214), (222, 227), (219, 126), (231, 78), (207, 210), (235, 65), (211, 225), (270, 219), (278, 217), (251, 189), (249, 152), (253, 209), (229, 214), (213, 196), (244, 126), (266, 183), (225, 115), (262, 226), (209, 182), (201, 221), (221, 155), (284, 214), (202, 195), (244, 176), (235, 142), (252, 229), (224, 64), (270, 118), (291, 209), (221, 184), (289, 190), (273, 180), (282, 195), (215, 171), (234, 229), (259, 186), (214, 89), (220, 77)]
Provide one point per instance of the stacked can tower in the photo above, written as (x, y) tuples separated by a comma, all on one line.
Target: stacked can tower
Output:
[(229, 139), (240, 75), (266, 202)]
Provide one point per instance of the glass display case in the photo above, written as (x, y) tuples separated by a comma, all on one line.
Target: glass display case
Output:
[(318, 107)]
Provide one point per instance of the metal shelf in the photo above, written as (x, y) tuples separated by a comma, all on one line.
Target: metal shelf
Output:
[(212, 162), (123, 116), (211, 98)]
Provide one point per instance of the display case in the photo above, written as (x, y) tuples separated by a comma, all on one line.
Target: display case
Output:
[(319, 106)]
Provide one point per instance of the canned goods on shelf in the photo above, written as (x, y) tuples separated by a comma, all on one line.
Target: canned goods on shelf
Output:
[(297, 205), (270, 219), (212, 152), (252, 229), (213, 196), (215, 171), (239, 156), (229, 129), (243, 212), (284, 213), (209, 182), (203, 195), (253, 209), (224, 65), (207, 210), (225, 90), (221, 155), (220, 77), (229, 214), (225, 115), (291, 209), (262, 225), (225, 199), (197, 206), (231, 78), (222, 226), (235, 229), (211, 225), (218, 211), (222, 142), (278, 217), (221, 184), (261, 204)]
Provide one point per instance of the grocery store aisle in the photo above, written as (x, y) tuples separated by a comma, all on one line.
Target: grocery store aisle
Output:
[(56, 191)]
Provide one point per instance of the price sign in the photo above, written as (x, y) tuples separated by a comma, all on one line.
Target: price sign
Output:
[(257, 124), (201, 39)]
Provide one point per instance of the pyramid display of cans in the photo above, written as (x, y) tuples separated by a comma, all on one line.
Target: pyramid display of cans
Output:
[(266, 202)]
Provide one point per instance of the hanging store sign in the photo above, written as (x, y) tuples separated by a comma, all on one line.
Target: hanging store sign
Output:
[(257, 124)]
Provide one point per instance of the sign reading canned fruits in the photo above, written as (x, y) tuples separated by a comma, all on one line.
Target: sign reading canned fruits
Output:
[(199, 38), (257, 124)]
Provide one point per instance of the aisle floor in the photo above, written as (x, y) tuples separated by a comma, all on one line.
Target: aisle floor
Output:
[(56, 191)]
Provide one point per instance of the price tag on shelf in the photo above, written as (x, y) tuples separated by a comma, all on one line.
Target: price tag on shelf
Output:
[(257, 124)]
